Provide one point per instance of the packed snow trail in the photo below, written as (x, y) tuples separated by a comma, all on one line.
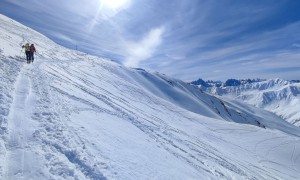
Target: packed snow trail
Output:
[(33, 123), (21, 161)]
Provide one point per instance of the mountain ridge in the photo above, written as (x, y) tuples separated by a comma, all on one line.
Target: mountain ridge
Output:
[(275, 95)]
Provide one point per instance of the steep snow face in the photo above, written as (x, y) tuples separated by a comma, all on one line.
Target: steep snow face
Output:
[(74, 116), (275, 95)]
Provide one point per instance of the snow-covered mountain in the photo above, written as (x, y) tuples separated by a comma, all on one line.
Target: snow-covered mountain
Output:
[(276, 95), (229, 82), (70, 115)]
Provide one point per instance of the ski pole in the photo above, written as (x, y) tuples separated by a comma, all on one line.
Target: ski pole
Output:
[(20, 52)]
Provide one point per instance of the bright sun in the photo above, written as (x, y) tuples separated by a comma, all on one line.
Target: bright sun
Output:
[(114, 4)]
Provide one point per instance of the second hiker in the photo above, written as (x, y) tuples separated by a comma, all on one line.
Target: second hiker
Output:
[(32, 51)]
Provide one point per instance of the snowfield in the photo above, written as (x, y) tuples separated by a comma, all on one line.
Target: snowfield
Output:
[(70, 115)]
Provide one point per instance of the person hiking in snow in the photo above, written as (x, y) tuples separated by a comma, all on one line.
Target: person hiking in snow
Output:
[(32, 51), (27, 52)]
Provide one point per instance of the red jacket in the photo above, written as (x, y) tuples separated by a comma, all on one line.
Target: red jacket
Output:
[(32, 48)]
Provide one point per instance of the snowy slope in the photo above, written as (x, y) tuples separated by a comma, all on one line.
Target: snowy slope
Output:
[(74, 116), (275, 95)]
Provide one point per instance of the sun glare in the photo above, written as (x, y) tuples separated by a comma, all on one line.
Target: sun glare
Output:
[(114, 4)]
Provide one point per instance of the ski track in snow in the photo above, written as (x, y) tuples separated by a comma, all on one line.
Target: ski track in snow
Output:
[(27, 120), (164, 138), (19, 157), (53, 125)]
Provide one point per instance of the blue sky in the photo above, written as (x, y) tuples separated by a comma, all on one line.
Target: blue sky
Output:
[(190, 39)]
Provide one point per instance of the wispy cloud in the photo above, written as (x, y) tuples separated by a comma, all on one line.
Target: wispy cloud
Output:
[(199, 38), (144, 49), (64, 37), (296, 45)]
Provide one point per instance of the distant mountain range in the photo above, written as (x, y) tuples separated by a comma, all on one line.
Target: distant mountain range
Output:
[(276, 95), (231, 82)]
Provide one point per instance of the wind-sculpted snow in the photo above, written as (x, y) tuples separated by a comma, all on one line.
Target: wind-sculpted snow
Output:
[(128, 124), (74, 116)]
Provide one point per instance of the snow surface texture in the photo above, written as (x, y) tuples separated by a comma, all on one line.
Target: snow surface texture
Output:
[(276, 95), (74, 116)]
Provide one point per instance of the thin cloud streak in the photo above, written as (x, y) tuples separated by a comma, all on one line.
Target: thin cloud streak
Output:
[(199, 38)]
